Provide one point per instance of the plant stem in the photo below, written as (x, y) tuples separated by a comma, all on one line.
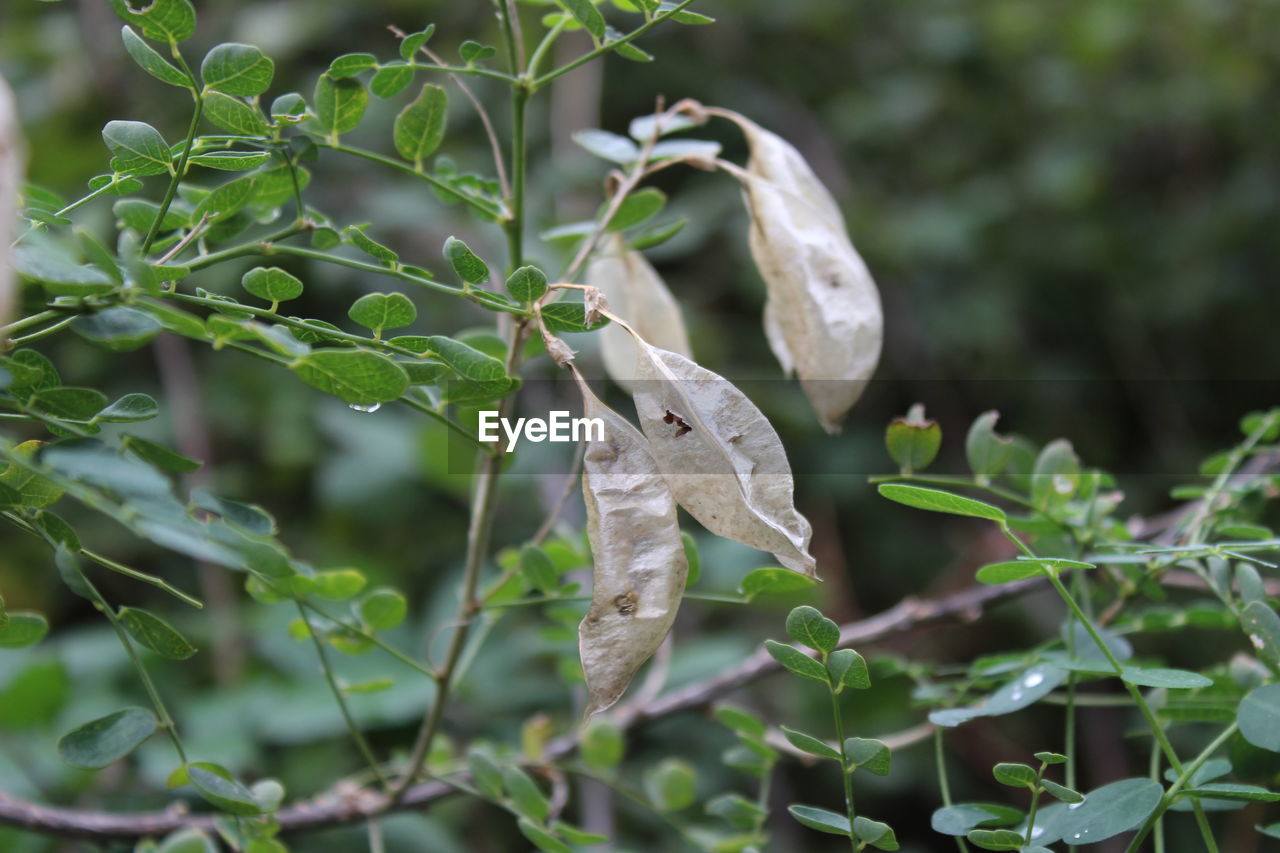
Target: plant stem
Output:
[(408, 168), (327, 667), (1183, 777), (178, 174), (607, 46), (944, 786), (845, 776), (108, 563), (519, 156)]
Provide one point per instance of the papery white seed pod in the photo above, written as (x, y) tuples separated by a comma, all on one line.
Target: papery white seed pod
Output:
[(823, 319), (721, 457), (635, 291), (11, 170), (640, 564)]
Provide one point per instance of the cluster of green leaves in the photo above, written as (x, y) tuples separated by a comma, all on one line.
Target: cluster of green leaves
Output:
[(1064, 509)]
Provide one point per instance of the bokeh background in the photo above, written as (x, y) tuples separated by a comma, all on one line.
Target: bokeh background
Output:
[(1069, 207)]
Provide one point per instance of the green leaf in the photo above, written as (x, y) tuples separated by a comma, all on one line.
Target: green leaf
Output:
[(272, 284), (936, 500), (527, 284), (796, 661), (541, 838), (358, 377), (771, 581), (156, 634), (913, 441), (672, 785), (1015, 775), (638, 207), (151, 61), (1009, 571), (138, 148), (224, 201), (1056, 475), (996, 839), (234, 115), (657, 234), (220, 789), (538, 569), (1061, 792), (159, 455), (419, 128), (339, 104), (231, 161), (383, 609), (1022, 691), (139, 214), (120, 329), (485, 774), (484, 373), (740, 721), (868, 754), (96, 744), (569, 317), (1262, 625), (524, 794), (586, 14), (473, 51), (129, 409), (1259, 717), (807, 626), (237, 69), (162, 20), (821, 819), (351, 64), (603, 744), (339, 584), (848, 669), (1051, 758), (1105, 812), (737, 810), (35, 491), (987, 452), (184, 841), (413, 42), (608, 146), (1232, 792), (69, 404), (391, 80), (60, 276), (362, 241), (23, 628), (959, 819), (873, 832), (810, 744), (378, 311), (627, 50), (1164, 677), (469, 267)]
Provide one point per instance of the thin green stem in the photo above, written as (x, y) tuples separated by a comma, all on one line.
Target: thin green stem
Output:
[(365, 635), (519, 157), (409, 169), (845, 775), (47, 331), (472, 70), (28, 322), (607, 46), (944, 785), (1197, 527), (356, 734), (1035, 807), (122, 569), (1183, 778), (178, 174), (535, 61)]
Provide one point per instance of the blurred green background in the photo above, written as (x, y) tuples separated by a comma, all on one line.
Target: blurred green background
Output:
[(1069, 207)]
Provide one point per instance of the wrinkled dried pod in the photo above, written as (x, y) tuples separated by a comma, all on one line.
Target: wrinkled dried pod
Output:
[(720, 455), (634, 291), (823, 318), (10, 176), (640, 565)]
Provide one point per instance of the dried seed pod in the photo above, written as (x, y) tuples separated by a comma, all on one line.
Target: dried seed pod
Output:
[(635, 291), (823, 318), (11, 159), (640, 564), (721, 457)]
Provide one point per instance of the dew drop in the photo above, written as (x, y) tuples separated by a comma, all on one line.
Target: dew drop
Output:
[(367, 409), (1076, 836), (1016, 695), (1037, 831), (1033, 679)]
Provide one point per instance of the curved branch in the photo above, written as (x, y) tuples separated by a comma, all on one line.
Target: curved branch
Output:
[(352, 805)]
